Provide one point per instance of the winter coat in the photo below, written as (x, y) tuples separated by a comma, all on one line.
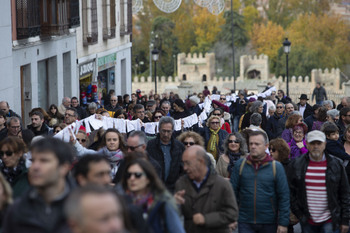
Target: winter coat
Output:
[(319, 93), (308, 110), (215, 201), (295, 151), (337, 187), (154, 150), (271, 126), (205, 133), (262, 196)]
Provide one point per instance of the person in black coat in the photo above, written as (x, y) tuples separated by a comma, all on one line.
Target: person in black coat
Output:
[(257, 107), (304, 108), (272, 122), (309, 121), (167, 151)]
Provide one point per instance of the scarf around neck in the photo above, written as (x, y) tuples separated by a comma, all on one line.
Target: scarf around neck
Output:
[(213, 142)]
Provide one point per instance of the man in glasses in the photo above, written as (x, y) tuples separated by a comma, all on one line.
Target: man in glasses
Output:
[(13, 128), (167, 151), (207, 199), (41, 208), (38, 126), (344, 119), (139, 113), (114, 106), (70, 116), (81, 111), (272, 123)]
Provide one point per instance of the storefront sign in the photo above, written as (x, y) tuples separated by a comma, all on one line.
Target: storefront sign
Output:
[(107, 61), (86, 68)]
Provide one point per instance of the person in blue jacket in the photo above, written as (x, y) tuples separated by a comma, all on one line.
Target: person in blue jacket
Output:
[(261, 189)]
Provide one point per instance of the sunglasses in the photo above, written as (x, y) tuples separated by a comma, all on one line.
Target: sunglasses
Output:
[(137, 175), (157, 117), (222, 98), (81, 140), (214, 122), (272, 149), (188, 143), (279, 107), (132, 148), (57, 131), (7, 153), (216, 114), (231, 141)]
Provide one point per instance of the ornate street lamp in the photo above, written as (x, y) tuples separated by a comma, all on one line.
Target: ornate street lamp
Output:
[(286, 48), (155, 57)]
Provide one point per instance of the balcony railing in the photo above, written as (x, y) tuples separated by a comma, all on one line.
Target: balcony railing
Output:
[(55, 18), (90, 39), (74, 20), (27, 18)]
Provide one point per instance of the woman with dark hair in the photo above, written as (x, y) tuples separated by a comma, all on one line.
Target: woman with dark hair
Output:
[(56, 117), (120, 114), (279, 151), (5, 198), (13, 165), (292, 121), (256, 107), (142, 184), (180, 110), (157, 115), (235, 147), (321, 117), (57, 128), (298, 144)]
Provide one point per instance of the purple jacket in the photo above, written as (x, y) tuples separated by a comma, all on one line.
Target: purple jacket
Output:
[(295, 151), (287, 135)]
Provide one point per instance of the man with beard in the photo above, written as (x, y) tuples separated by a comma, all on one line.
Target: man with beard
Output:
[(38, 126), (41, 208)]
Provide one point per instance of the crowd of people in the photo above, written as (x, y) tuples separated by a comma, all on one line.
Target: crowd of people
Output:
[(254, 165)]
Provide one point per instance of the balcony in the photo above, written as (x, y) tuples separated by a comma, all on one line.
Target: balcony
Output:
[(90, 39), (74, 20), (55, 18), (27, 18), (108, 33)]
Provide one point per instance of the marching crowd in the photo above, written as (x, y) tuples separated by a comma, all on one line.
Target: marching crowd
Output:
[(256, 164)]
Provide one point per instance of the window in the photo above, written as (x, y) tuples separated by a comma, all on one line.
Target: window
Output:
[(27, 18), (108, 9), (54, 17), (184, 78), (204, 78), (125, 17), (90, 27), (74, 20)]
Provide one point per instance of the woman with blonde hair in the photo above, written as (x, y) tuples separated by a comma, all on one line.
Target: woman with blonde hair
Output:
[(190, 138), (213, 136)]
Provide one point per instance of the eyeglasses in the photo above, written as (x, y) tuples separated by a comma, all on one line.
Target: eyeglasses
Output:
[(235, 141), (279, 107), (214, 122), (132, 148), (137, 175), (222, 98), (298, 132), (69, 115), (113, 100), (15, 127), (57, 131), (7, 153), (188, 143), (216, 114), (272, 149), (81, 140), (157, 117), (347, 115)]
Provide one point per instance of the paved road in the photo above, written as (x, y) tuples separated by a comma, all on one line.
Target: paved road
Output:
[(297, 229)]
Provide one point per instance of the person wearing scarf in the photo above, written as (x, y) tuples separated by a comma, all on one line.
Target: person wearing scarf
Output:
[(13, 165), (298, 144), (235, 147), (213, 136)]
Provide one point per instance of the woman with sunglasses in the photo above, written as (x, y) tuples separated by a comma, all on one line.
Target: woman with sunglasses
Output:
[(190, 138), (82, 138), (298, 144), (220, 113), (142, 184), (235, 147), (13, 165), (213, 136)]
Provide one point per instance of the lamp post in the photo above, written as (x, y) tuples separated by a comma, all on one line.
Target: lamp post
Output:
[(233, 49), (155, 56), (286, 48)]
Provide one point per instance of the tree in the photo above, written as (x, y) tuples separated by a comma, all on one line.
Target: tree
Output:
[(267, 39), (207, 26), (251, 16), (324, 35)]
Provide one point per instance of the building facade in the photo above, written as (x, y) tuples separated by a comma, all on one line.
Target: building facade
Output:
[(104, 48)]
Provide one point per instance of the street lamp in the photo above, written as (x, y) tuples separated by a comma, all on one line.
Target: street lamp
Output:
[(155, 57), (233, 49), (286, 48)]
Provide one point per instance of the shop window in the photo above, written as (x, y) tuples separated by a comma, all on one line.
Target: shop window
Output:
[(27, 18), (54, 17), (90, 27), (108, 9), (74, 20), (125, 17)]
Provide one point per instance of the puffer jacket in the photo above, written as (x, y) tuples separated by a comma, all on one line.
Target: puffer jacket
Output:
[(336, 184), (263, 198)]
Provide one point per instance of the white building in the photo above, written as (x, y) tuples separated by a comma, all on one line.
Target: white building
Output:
[(104, 47)]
